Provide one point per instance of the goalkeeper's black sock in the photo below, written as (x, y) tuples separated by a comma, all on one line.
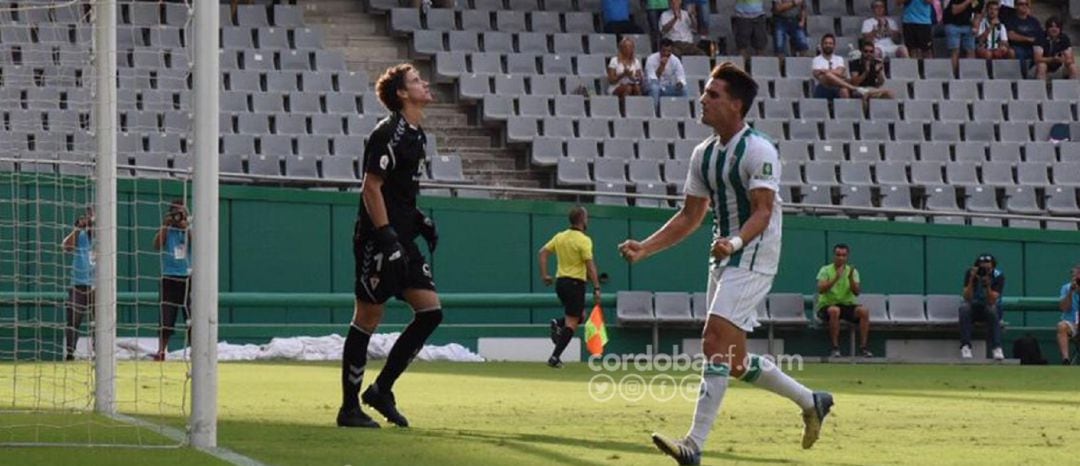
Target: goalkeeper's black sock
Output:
[(353, 362), (407, 346), (565, 335)]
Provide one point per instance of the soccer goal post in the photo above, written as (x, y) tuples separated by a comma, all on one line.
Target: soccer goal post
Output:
[(108, 174)]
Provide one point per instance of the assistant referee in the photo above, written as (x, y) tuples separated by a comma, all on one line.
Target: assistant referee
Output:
[(574, 252)]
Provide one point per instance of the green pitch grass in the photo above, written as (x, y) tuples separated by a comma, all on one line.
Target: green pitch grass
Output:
[(527, 414)]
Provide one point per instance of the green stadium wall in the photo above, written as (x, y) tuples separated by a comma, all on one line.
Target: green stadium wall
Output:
[(284, 240)]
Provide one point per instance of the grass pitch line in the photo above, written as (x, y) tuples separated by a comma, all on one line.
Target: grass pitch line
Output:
[(180, 437)]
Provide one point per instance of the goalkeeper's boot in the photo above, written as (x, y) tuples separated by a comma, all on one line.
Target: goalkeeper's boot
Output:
[(355, 418), (814, 417), (683, 451), (385, 404)]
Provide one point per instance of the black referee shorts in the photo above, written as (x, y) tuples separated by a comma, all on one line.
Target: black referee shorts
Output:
[(369, 287), (175, 298), (571, 292)]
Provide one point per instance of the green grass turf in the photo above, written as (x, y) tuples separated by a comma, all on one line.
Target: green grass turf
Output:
[(526, 414)]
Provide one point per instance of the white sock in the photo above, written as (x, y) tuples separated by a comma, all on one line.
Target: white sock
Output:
[(714, 380), (763, 373)]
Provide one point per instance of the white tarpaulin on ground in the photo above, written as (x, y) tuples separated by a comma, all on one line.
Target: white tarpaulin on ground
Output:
[(326, 348)]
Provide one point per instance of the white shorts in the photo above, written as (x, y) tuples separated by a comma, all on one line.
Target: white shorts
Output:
[(887, 48), (734, 293), (1072, 328)]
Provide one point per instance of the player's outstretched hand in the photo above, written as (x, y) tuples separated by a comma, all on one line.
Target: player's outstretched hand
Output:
[(632, 250), (722, 248)]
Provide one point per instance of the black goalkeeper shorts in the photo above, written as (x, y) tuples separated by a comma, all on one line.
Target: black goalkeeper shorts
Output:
[(370, 287)]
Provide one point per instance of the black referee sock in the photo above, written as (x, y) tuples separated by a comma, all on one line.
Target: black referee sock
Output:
[(353, 362), (407, 346), (565, 335), (561, 321)]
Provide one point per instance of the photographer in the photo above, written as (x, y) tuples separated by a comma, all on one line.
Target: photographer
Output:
[(868, 74), (983, 284), (1070, 309), (81, 294), (173, 239), (1054, 54)]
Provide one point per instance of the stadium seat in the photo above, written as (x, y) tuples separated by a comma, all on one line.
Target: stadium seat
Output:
[(941, 198), (634, 307), (1022, 200), (998, 174), (982, 199), (787, 308), (943, 309), (447, 168), (875, 304), (895, 197), (856, 196), (907, 309), (608, 170), (1062, 201), (672, 307), (573, 172), (582, 149)]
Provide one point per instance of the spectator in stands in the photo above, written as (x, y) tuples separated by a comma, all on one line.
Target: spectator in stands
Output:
[(983, 284), (653, 10), (960, 27), (677, 26), (830, 72), (789, 25), (1008, 10), (918, 21), (427, 4), (868, 74), (748, 24), (624, 71), (617, 18), (1070, 310), (664, 74), (992, 38), (173, 239), (573, 250), (699, 13), (1054, 53), (1024, 30), (838, 284), (80, 303), (883, 31)]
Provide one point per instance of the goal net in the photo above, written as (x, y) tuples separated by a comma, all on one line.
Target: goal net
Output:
[(85, 257)]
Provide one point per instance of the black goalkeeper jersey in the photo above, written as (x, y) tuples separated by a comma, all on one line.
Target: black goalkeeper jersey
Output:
[(395, 151)]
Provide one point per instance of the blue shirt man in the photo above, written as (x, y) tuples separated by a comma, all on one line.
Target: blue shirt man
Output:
[(1069, 304)]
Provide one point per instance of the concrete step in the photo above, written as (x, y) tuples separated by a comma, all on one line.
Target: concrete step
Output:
[(375, 49), (333, 7), (456, 130), (336, 28), (457, 140), (471, 165)]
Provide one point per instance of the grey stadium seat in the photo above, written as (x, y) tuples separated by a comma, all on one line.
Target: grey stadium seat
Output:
[(907, 309), (1022, 200), (672, 307), (875, 304), (573, 172), (895, 197), (634, 307), (944, 309), (787, 308), (1062, 201), (447, 168)]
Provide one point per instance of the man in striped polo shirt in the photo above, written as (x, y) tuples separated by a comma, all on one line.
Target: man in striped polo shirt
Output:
[(737, 171)]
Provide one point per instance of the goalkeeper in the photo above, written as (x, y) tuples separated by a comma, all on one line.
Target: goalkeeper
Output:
[(388, 262)]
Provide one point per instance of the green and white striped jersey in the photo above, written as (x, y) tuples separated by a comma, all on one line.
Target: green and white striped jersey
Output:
[(725, 175)]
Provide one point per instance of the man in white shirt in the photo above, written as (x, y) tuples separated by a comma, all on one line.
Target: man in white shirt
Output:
[(831, 73), (677, 25), (664, 74), (736, 173), (884, 32)]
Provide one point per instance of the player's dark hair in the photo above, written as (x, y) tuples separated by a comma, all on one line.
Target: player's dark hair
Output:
[(1053, 20), (828, 36), (864, 42), (577, 215), (388, 85), (740, 84), (843, 246)]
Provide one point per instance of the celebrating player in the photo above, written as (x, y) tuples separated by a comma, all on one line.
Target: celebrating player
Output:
[(388, 262), (737, 170)]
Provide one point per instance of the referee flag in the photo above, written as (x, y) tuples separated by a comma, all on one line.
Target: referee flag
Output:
[(595, 333)]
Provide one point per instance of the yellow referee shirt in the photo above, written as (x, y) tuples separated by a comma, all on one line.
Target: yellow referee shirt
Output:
[(572, 248)]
